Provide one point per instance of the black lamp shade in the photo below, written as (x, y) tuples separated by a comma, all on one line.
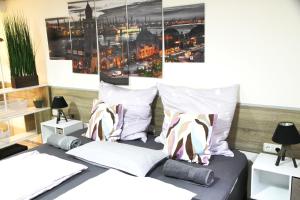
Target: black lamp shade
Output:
[(59, 102), (286, 133)]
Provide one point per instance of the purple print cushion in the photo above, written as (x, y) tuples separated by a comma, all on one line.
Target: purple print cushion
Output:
[(106, 122), (188, 137), (137, 108), (221, 101)]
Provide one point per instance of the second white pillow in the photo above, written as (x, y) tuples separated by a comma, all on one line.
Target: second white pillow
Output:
[(137, 108)]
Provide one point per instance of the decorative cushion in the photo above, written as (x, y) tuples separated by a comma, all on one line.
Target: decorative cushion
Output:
[(188, 137), (137, 108), (106, 122), (221, 101)]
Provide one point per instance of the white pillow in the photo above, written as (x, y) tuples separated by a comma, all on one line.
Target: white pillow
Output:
[(221, 101), (137, 108), (128, 158)]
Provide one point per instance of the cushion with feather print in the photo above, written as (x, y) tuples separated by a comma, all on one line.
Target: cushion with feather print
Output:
[(106, 122), (188, 137)]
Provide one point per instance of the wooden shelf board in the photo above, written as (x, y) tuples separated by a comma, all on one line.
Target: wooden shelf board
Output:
[(10, 90), (10, 114), (4, 142)]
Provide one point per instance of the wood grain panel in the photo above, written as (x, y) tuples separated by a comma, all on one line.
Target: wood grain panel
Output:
[(251, 126), (33, 121), (42, 117), (79, 101), (30, 95), (157, 115), (295, 188)]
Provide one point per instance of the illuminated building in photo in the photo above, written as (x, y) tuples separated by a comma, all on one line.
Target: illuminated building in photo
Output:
[(147, 44), (89, 26)]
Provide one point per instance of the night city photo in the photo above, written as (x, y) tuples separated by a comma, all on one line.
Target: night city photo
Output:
[(130, 43), (145, 44), (184, 33), (123, 40), (112, 41), (58, 35), (83, 34)]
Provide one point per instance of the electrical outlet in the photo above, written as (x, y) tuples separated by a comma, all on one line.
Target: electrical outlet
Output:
[(54, 112), (271, 148)]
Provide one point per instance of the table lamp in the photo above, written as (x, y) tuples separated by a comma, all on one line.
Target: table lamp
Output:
[(58, 103), (286, 134)]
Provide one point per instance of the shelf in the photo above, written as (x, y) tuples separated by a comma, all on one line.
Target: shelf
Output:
[(270, 182), (10, 90), (272, 193), (4, 142), (266, 162), (10, 114)]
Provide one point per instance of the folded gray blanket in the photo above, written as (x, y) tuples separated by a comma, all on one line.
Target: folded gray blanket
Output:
[(184, 171), (63, 141)]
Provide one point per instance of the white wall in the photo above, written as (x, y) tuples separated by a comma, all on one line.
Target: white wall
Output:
[(35, 11), (255, 43)]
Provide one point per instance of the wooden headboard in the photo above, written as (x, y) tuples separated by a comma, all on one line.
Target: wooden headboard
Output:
[(251, 127)]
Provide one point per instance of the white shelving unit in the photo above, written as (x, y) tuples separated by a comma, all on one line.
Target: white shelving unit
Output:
[(10, 90), (9, 113), (270, 182), (4, 142)]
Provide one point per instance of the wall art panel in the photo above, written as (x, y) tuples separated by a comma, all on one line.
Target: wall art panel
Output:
[(112, 41), (83, 36), (184, 31), (145, 37), (59, 41)]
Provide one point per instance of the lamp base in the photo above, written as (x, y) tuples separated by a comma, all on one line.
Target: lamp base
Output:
[(60, 113), (285, 149)]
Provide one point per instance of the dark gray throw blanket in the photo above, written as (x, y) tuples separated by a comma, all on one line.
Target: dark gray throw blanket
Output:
[(63, 141), (184, 171)]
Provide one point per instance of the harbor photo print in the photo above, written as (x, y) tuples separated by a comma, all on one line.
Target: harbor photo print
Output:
[(58, 35), (184, 31), (83, 35), (145, 38), (112, 37)]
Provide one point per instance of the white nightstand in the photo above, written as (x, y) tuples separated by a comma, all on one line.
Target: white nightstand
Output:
[(50, 127), (270, 182)]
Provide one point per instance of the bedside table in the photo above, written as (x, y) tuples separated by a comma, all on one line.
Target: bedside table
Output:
[(50, 127), (270, 182)]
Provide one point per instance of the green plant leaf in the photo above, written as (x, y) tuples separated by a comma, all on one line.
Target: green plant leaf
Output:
[(19, 45)]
